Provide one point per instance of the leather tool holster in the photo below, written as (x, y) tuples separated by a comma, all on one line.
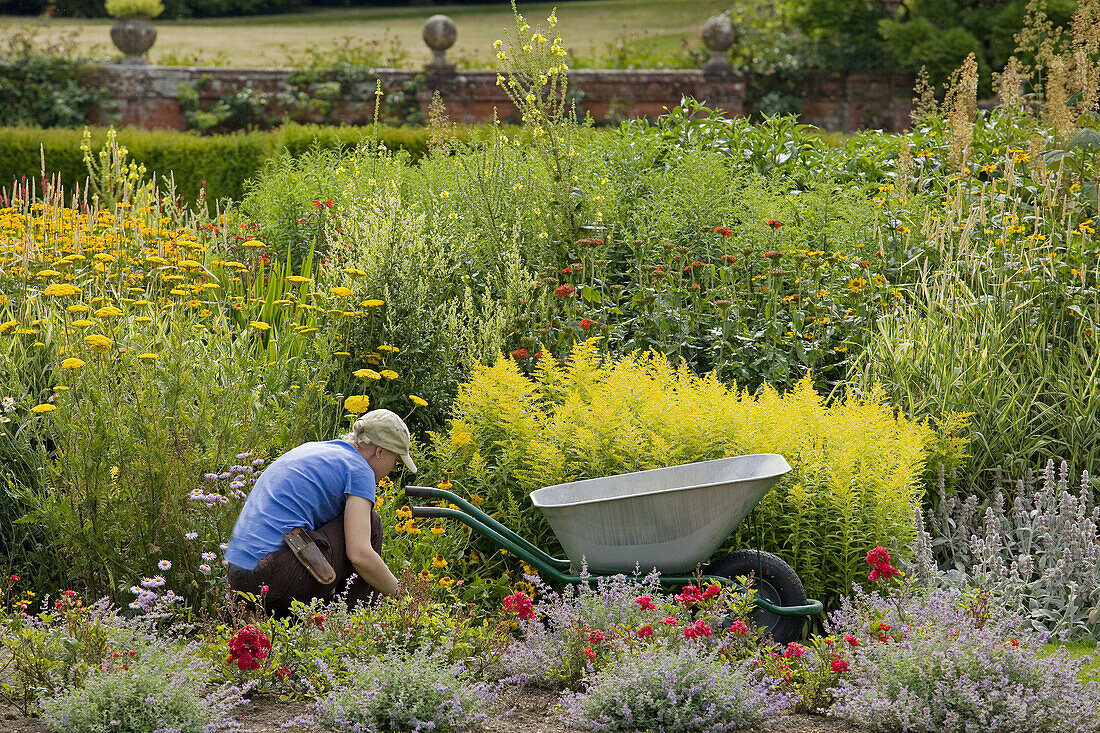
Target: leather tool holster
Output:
[(307, 552)]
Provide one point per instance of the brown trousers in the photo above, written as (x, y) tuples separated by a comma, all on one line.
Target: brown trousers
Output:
[(288, 580)]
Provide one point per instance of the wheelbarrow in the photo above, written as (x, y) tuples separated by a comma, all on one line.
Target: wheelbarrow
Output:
[(668, 519)]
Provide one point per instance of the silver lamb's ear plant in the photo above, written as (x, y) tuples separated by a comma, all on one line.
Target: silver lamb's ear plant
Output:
[(1041, 556)]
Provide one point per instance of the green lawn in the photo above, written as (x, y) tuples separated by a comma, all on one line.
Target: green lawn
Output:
[(1091, 670), (587, 28)]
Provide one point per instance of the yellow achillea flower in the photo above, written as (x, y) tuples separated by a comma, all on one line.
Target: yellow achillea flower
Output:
[(391, 349), (419, 401), (389, 374), (47, 273), (354, 271), (296, 279), (98, 342), (341, 292), (357, 403), (367, 374), (148, 356), (439, 561), (82, 323), (72, 363), (59, 290), (8, 325), (108, 312), (39, 409), (372, 303), (260, 325), (78, 308)]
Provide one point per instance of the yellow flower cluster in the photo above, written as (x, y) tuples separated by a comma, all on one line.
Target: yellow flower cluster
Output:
[(113, 283)]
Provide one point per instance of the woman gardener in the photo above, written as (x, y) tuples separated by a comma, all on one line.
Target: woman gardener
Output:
[(309, 522)]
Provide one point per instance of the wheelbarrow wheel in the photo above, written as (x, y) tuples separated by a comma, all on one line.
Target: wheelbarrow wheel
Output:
[(774, 580)]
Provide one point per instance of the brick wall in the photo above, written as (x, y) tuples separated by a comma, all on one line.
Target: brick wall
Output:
[(147, 96)]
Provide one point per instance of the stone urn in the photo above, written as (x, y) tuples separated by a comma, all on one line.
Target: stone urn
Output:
[(134, 36)]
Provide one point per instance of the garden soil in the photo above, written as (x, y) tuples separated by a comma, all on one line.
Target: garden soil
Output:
[(515, 711)]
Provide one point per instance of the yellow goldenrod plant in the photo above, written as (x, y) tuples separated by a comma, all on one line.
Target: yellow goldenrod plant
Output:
[(857, 462)]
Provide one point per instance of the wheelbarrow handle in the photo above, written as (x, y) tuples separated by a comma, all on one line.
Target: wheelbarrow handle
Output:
[(420, 492), (427, 512)]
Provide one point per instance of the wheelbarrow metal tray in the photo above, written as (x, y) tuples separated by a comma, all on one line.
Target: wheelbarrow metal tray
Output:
[(671, 519)]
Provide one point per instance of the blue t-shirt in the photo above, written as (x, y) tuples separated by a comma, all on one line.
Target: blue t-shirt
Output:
[(305, 487)]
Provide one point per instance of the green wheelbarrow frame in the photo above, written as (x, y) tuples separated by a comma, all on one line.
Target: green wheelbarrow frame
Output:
[(550, 567)]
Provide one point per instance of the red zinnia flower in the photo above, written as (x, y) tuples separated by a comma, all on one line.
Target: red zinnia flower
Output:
[(723, 231), (589, 653), (520, 354), (564, 291), (774, 223), (794, 650), (586, 323), (520, 604)]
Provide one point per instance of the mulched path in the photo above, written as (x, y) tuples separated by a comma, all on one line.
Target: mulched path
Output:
[(514, 711)]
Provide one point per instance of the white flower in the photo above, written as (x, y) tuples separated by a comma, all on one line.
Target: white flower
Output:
[(164, 565), (204, 569), (209, 556), (192, 535)]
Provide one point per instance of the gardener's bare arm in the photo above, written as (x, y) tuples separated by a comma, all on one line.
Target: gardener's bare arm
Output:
[(357, 538)]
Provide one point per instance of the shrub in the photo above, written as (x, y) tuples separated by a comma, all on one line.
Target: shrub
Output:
[(44, 83), (946, 663), (582, 629), (856, 464), (674, 688), (155, 693), (215, 167), (130, 376), (403, 692), (1037, 550)]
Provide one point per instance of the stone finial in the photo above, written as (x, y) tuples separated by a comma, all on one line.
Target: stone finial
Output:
[(718, 36), (440, 34)]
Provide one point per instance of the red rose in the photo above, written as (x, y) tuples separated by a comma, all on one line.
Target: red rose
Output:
[(645, 631)]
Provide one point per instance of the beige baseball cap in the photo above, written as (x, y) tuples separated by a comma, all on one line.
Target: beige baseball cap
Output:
[(386, 430)]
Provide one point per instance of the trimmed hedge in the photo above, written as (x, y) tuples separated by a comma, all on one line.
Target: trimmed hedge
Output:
[(225, 162)]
